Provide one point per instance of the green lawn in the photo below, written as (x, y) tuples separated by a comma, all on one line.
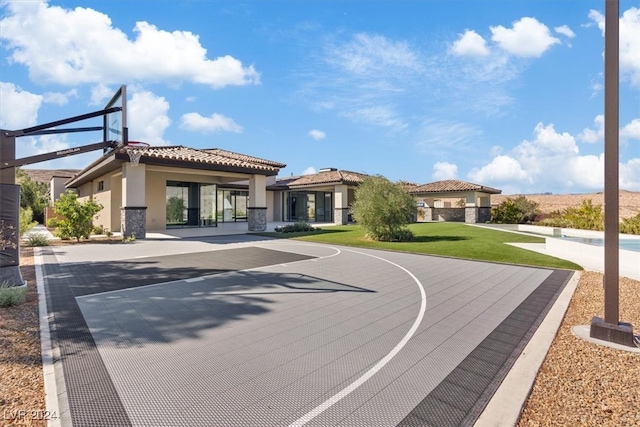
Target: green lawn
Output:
[(446, 239)]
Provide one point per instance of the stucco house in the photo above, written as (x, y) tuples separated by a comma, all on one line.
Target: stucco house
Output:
[(453, 200), (177, 187), (325, 196)]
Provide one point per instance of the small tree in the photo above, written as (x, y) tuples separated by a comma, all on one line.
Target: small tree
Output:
[(33, 195), (383, 209), (76, 217)]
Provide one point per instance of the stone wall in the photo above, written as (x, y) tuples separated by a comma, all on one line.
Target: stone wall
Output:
[(448, 214), (341, 216), (133, 222)]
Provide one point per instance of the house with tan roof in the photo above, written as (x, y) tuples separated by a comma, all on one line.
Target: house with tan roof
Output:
[(154, 188), (325, 196), (145, 188), (453, 200)]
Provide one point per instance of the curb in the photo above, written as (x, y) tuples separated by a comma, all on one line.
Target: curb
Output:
[(509, 400)]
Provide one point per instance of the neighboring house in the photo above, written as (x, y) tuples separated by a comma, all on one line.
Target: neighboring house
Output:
[(177, 186), (453, 200), (325, 196)]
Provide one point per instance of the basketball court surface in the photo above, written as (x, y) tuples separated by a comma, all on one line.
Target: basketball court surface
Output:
[(245, 331)]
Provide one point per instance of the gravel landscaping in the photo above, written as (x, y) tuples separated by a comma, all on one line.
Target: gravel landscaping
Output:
[(579, 383)]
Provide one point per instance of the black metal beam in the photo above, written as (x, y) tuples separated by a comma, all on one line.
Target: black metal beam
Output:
[(56, 154), (67, 130), (31, 130)]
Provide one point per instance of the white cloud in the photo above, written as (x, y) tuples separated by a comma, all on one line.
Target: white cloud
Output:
[(470, 43), (631, 130), (502, 169), (592, 136), (438, 135), (527, 38), (190, 98), (214, 123), (551, 160), (444, 170), (19, 107), (565, 31), (76, 46), (147, 117), (377, 115), (309, 171), (630, 175), (629, 42), (367, 54), (100, 94), (317, 134), (59, 98)]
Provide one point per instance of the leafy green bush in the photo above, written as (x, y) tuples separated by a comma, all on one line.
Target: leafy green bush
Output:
[(587, 216), (384, 209), (33, 195), (26, 220), (11, 295), (515, 211), (37, 240), (76, 217), (630, 225), (98, 229), (295, 227)]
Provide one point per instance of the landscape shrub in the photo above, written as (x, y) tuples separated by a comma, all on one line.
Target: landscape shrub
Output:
[(630, 225), (11, 295), (26, 220), (76, 218), (37, 240), (295, 227), (587, 216), (519, 210), (384, 209)]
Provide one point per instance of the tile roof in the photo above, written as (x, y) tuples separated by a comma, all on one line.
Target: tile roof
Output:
[(214, 156), (322, 177), (452, 185)]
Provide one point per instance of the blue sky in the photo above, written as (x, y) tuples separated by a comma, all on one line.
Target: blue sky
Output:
[(501, 93)]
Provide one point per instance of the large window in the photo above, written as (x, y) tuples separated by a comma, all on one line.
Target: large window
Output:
[(232, 205), (190, 204), (309, 206)]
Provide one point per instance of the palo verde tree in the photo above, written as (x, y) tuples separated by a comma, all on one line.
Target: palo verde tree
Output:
[(383, 209), (75, 218)]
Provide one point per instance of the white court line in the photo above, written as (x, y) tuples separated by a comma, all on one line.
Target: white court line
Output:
[(371, 372)]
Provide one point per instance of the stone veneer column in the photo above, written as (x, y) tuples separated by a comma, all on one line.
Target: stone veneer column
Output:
[(471, 215), (257, 209), (133, 221), (133, 213), (257, 218)]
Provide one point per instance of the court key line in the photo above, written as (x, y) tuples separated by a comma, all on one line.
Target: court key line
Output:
[(378, 366)]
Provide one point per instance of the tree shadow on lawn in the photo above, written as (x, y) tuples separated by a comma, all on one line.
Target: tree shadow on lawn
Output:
[(432, 239)]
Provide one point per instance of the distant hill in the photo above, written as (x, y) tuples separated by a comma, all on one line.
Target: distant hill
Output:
[(629, 201)]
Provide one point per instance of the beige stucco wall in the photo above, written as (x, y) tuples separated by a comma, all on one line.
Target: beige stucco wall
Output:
[(270, 206)]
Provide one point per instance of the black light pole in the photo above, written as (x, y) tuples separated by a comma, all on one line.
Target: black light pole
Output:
[(610, 328)]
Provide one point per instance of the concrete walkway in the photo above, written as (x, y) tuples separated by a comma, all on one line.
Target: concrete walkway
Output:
[(242, 330)]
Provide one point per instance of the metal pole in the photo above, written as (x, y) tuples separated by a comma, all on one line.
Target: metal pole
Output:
[(611, 158)]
